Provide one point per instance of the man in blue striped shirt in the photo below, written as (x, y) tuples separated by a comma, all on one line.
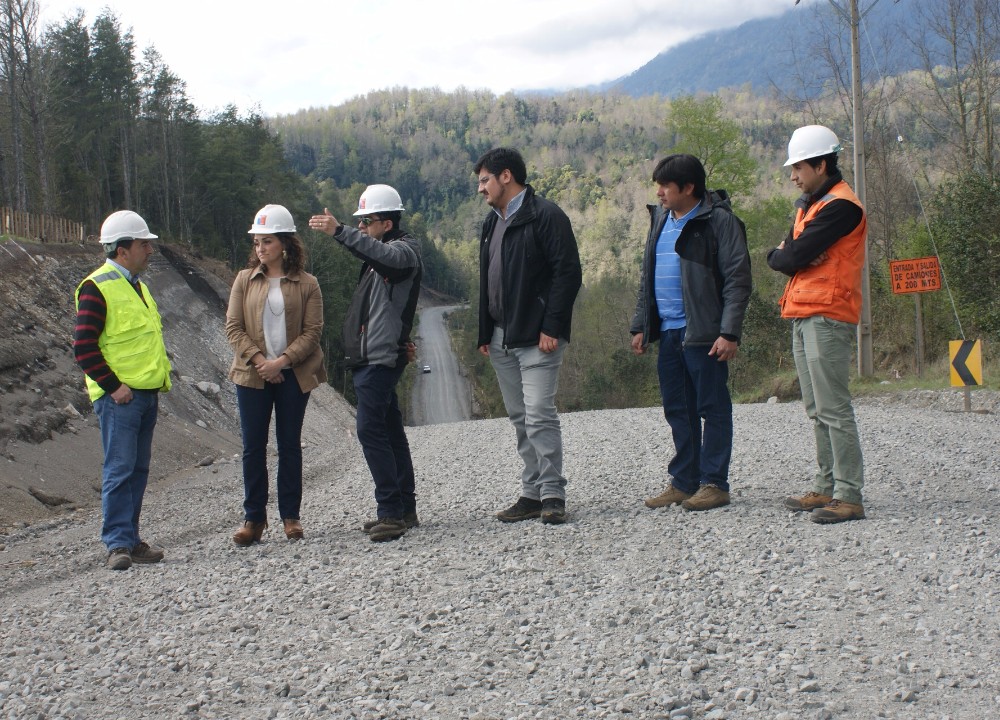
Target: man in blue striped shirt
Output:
[(693, 296)]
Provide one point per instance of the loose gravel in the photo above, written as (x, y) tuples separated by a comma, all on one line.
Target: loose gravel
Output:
[(748, 611)]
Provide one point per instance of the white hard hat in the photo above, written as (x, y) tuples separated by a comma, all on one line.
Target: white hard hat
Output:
[(379, 198), (272, 219), (812, 141), (124, 225)]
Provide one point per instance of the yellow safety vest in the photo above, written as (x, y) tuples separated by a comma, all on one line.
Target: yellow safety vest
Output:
[(132, 341)]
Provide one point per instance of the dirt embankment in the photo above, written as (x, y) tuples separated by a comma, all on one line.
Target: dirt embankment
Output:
[(50, 450)]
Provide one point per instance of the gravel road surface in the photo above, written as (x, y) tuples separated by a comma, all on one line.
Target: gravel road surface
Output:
[(744, 612)]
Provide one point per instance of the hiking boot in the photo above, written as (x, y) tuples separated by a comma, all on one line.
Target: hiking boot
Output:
[(707, 497), (120, 559), (808, 502), (409, 518), (837, 511), (523, 509), (146, 554), (249, 533), (293, 529), (387, 529), (553, 511), (670, 496)]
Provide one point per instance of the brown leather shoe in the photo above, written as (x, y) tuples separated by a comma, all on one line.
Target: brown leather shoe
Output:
[(293, 529), (808, 502), (146, 554), (670, 496), (249, 533), (387, 529), (837, 511), (410, 519), (707, 498)]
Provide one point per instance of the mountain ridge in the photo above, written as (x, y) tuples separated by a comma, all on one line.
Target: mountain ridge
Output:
[(759, 53)]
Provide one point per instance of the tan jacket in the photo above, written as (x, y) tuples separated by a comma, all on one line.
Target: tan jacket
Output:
[(303, 325)]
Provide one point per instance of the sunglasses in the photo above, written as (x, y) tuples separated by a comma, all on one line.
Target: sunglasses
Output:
[(366, 221)]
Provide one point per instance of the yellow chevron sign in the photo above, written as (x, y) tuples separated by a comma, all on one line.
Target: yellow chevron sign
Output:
[(966, 362)]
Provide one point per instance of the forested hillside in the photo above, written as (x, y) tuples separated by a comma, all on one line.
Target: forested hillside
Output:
[(89, 123), (593, 154)]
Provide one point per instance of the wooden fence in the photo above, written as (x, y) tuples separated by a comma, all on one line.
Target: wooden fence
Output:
[(40, 228)]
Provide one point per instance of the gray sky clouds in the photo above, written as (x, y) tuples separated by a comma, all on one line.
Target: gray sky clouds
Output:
[(284, 56)]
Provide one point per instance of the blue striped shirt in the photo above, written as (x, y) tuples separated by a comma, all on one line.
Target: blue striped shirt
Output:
[(667, 272)]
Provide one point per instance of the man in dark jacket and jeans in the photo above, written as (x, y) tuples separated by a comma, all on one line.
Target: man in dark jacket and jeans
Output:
[(376, 336), (693, 296), (529, 275)]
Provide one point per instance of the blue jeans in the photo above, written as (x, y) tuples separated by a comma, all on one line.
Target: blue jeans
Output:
[(822, 349), (288, 402), (528, 380), (383, 439), (127, 437), (694, 388)]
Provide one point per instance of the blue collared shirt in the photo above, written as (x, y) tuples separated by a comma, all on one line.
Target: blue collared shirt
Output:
[(667, 272), (133, 279), (512, 207)]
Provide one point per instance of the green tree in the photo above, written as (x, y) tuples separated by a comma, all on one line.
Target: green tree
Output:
[(19, 69), (240, 167), (697, 126), (966, 223), (117, 110), (68, 101), (168, 137)]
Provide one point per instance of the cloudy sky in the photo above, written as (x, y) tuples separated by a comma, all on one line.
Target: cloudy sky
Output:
[(281, 56)]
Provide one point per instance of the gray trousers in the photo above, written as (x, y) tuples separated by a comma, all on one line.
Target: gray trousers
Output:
[(822, 349), (528, 381)]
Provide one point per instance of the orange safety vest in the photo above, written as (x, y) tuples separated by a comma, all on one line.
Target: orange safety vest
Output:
[(832, 288)]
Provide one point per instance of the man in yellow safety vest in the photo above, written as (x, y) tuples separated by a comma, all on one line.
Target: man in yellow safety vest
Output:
[(118, 343)]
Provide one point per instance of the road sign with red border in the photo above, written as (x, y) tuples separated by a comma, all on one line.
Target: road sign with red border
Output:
[(915, 275)]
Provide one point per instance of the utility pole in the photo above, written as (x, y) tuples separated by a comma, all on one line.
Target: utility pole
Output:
[(865, 363)]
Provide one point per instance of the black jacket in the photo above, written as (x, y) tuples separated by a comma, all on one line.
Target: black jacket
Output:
[(836, 220), (715, 274), (541, 274)]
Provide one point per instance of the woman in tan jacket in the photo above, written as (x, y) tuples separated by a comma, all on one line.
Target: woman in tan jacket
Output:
[(274, 323)]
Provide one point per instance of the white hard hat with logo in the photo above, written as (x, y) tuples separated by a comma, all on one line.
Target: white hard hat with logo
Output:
[(272, 219), (812, 141), (124, 225), (379, 198)]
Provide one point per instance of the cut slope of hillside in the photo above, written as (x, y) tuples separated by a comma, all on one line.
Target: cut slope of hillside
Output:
[(50, 450)]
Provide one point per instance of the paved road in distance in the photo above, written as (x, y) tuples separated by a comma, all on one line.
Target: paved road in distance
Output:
[(442, 395)]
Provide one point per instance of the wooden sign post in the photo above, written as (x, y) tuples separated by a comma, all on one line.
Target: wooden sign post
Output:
[(917, 275)]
